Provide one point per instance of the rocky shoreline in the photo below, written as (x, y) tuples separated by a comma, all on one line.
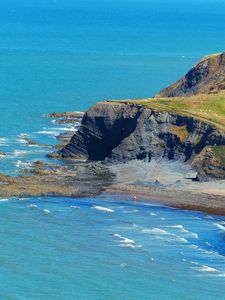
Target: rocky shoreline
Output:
[(71, 180), (92, 158), (76, 178), (113, 131), (80, 179)]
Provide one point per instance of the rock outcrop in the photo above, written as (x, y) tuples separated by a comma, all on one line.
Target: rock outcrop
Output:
[(118, 132), (207, 76), (114, 131), (72, 180), (210, 163)]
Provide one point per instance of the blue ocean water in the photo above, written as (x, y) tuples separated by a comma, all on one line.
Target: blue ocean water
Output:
[(109, 249), (66, 55)]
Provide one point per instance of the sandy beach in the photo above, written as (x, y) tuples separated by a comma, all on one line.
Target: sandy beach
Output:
[(169, 183)]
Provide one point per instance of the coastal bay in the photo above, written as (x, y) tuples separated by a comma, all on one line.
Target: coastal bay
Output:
[(119, 222)]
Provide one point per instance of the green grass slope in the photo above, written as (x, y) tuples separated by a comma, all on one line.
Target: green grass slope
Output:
[(207, 108)]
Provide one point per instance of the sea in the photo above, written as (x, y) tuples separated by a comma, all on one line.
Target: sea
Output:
[(65, 55)]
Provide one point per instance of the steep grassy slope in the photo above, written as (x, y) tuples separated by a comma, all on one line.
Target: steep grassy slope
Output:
[(207, 108)]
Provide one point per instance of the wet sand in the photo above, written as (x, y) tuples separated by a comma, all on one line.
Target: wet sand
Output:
[(169, 183), (210, 203), (166, 182)]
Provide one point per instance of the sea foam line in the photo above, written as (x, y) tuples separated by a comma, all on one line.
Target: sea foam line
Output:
[(4, 200), (182, 229), (160, 232), (105, 209)]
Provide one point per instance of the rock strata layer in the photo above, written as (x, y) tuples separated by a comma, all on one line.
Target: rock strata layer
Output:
[(119, 132), (206, 77)]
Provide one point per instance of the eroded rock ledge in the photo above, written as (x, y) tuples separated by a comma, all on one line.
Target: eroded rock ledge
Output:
[(70, 180)]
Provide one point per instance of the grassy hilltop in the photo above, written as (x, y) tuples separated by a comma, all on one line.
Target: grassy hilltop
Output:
[(207, 108), (199, 94)]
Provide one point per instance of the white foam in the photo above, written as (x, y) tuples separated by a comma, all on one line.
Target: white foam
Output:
[(46, 211), (130, 211), (4, 200), (74, 206), (23, 164), (19, 153), (182, 229), (194, 263), (207, 269), (160, 232), (176, 226), (127, 245), (124, 239), (105, 209), (194, 235), (180, 239), (156, 231), (219, 226), (208, 244), (207, 252), (21, 140), (194, 246), (130, 246), (34, 145), (153, 214), (123, 265), (4, 142), (71, 128), (22, 135), (32, 206), (48, 132)]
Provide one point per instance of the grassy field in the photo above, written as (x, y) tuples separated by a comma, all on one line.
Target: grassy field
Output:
[(207, 108), (219, 152)]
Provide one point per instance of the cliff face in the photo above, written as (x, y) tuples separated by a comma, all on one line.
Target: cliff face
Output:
[(208, 76), (115, 131)]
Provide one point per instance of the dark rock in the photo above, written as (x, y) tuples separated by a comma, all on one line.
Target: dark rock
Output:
[(2, 154), (207, 77), (65, 115), (118, 132), (72, 180), (210, 163)]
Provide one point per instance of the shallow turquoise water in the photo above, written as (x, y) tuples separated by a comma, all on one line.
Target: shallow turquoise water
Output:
[(66, 55), (136, 251)]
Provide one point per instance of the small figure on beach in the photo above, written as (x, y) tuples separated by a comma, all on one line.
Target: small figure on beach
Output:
[(135, 198)]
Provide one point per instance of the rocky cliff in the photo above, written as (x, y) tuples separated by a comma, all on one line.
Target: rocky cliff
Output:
[(118, 132), (207, 76)]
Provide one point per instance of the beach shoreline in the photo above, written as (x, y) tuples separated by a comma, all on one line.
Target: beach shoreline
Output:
[(185, 200), (163, 182)]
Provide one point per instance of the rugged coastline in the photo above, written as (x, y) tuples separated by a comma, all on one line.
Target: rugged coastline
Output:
[(111, 134), (120, 132), (164, 181)]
